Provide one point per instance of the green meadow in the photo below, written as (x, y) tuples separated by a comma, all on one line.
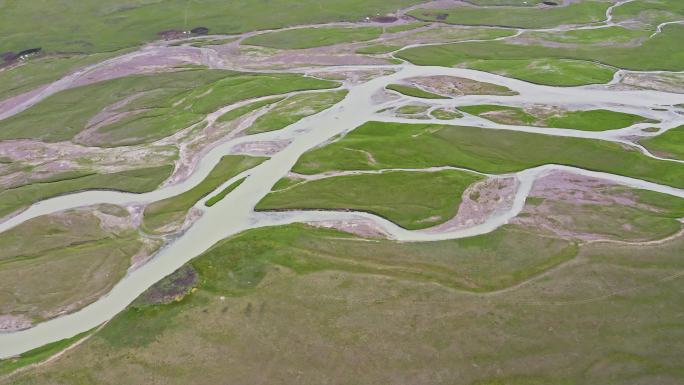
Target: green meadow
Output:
[(397, 145), (412, 200), (300, 38)]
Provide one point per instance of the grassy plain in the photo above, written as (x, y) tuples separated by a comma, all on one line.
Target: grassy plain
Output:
[(304, 291), (413, 200), (414, 91), (244, 110), (118, 24), (222, 194), (295, 108), (649, 13), (137, 181), (604, 212), (377, 49), (445, 114), (158, 105), (590, 120), (615, 35), (396, 145), (552, 72), (518, 17), (300, 38), (657, 53), (59, 263), (668, 144), (159, 215), (33, 73)]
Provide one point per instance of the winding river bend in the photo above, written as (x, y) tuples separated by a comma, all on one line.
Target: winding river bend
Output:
[(235, 213)]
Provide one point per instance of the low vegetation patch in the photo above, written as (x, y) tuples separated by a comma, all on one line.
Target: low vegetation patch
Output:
[(300, 38), (445, 114), (657, 53), (397, 145), (143, 111), (137, 181), (413, 200), (540, 116), (517, 17), (669, 144), (414, 91), (295, 108), (244, 110), (218, 197), (58, 263)]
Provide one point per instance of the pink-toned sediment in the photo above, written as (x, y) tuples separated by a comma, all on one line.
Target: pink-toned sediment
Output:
[(479, 202), (365, 228)]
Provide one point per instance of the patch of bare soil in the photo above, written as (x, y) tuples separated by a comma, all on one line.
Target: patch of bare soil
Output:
[(671, 82), (456, 86), (151, 59), (384, 19), (479, 202), (341, 54), (12, 323), (364, 228), (261, 148), (170, 289), (150, 246), (33, 160), (560, 203)]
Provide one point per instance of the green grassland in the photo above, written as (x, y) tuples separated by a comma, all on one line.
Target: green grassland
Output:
[(445, 114), (413, 200), (302, 291), (669, 144), (590, 120), (405, 27), (412, 109), (517, 3), (518, 17), (162, 105), (553, 72), (295, 108), (614, 34), (244, 110), (223, 193), (396, 145), (158, 215), (61, 262), (448, 34), (414, 91), (35, 72), (300, 38), (136, 180), (658, 53), (651, 216), (91, 26), (650, 13), (377, 49), (38, 355)]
